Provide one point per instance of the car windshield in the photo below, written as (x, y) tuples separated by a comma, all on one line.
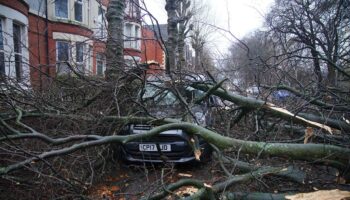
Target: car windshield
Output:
[(160, 96), (164, 96)]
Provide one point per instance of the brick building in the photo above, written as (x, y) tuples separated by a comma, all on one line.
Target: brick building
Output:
[(153, 50), (40, 39)]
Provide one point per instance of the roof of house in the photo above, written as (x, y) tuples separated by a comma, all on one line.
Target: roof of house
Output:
[(161, 30)]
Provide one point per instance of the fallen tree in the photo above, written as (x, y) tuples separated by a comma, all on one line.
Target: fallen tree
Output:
[(320, 153), (257, 104), (44, 136), (15, 130)]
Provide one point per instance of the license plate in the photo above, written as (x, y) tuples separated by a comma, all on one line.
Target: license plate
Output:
[(153, 147)]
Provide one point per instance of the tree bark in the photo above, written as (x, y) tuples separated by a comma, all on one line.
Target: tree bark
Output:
[(170, 7), (335, 156), (115, 40), (252, 103), (184, 17)]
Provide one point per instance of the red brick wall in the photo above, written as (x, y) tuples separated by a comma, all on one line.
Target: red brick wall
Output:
[(151, 50), (38, 57), (70, 28), (41, 69), (99, 48)]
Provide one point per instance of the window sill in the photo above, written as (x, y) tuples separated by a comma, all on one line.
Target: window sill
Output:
[(73, 22), (132, 48)]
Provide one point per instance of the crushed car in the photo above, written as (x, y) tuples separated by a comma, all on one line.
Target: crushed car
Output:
[(163, 100)]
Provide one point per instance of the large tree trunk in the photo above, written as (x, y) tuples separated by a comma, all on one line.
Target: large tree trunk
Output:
[(170, 7), (197, 45), (115, 40), (184, 17), (317, 68), (181, 48)]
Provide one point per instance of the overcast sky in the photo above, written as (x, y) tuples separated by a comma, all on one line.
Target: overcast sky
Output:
[(238, 16)]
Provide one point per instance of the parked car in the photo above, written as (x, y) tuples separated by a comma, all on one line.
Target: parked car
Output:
[(163, 101)]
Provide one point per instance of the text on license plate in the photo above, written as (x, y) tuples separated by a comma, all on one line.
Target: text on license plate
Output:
[(153, 147)]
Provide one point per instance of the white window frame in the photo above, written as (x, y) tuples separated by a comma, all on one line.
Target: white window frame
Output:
[(58, 62), (59, 17), (131, 9), (100, 57), (80, 64), (19, 53), (101, 23), (88, 63), (2, 51), (81, 2), (137, 37), (9, 17), (132, 40)]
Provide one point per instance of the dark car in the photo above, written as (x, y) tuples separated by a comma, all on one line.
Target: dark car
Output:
[(172, 145)]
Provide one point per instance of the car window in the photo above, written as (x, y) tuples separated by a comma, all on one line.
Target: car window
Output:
[(159, 96)]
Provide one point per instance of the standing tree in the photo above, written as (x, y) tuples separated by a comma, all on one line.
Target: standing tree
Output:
[(255, 66), (115, 40), (316, 26), (200, 32), (170, 7), (184, 14)]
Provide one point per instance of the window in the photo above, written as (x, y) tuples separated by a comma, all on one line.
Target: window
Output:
[(102, 31), (132, 9), (2, 54), (100, 64), (128, 36), (61, 8), (131, 61), (78, 10), (17, 47), (79, 56), (137, 42), (38, 6), (63, 57), (88, 59), (132, 34)]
